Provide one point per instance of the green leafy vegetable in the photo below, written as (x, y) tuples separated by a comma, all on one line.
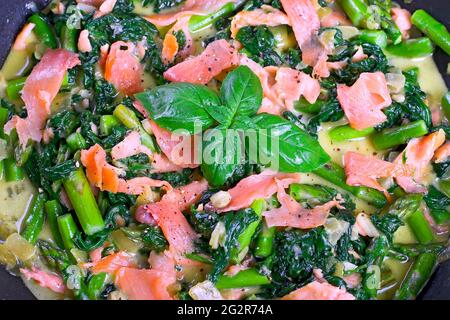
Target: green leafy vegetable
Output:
[(297, 151), (180, 106)]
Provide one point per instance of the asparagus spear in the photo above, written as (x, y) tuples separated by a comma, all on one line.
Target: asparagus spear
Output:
[(13, 87), (69, 38), (246, 236), (445, 103), (264, 242), (392, 137), (413, 48), (417, 276), (435, 30), (76, 141), (377, 37), (107, 123), (68, 229), (356, 10), (83, 201), (346, 132), (129, 120), (335, 174), (245, 278), (420, 227), (198, 23), (34, 221), (53, 210), (43, 31)]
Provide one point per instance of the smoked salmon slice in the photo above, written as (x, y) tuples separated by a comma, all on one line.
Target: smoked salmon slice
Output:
[(180, 150), (417, 157), (442, 154), (144, 284), (282, 86), (266, 15), (363, 101), (41, 87), (45, 279), (292, 214), (171, 48), (130, 146), (319, 291), (106, 177), (402, 19), (219, 55), (257, 186), (113, 262), (364, 170), (123, 69), (167, 213), (292, 84), (306, 24)]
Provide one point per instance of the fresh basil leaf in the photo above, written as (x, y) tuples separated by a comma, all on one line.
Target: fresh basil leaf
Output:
[(241, 94), (297, 150), (180, 106), (222, 155), (243, 123)]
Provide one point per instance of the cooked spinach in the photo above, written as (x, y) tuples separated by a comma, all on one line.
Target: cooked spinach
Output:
[(295, 255), (154, 239), (235, 224), (159, 5), (259, 43)]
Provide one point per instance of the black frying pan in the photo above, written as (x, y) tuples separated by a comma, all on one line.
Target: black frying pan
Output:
[(14, 12)]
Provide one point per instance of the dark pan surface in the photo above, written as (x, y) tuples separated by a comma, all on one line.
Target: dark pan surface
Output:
[(14, 12)]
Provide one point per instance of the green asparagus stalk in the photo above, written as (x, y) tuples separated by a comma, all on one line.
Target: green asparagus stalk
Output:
[(198, 23), (435, 30), (242, 279), (246, 236), (83, 201), (55, 257), (43, 31), (34, 221), (264, 242), (417, 276), (356, 10), (404, 206), (345, 132), (377, 37), (69, 38), (107, 123), (76, 142), (445, 103), (12, 171), (129, 120), (13, 87), (68, 229), (305, 192), (413, 48), (53, 210), (335, 174), (420, 227), (392, 137), (96, 285)]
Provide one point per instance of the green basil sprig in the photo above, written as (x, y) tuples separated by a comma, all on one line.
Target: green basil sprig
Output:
[(178, 105)]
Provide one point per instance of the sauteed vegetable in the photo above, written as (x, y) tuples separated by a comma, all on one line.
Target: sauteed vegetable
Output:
[(246, 149)]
